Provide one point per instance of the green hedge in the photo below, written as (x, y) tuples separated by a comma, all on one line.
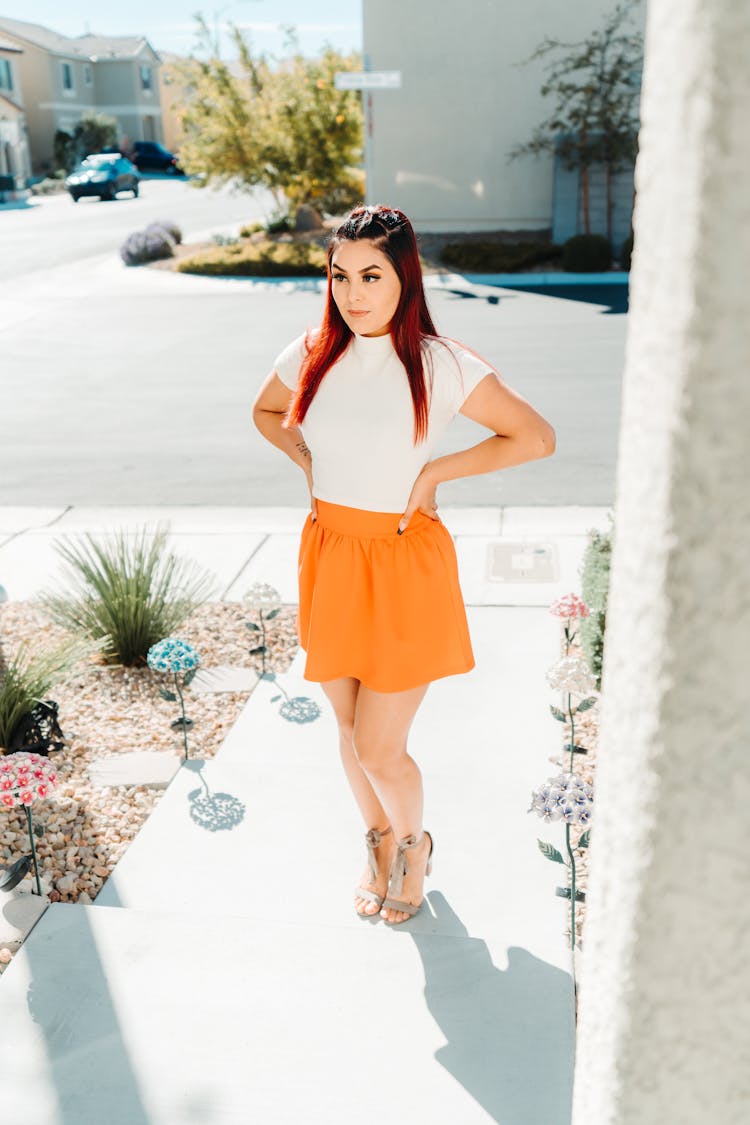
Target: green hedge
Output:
[(258, 259), (594, 591), (498, 257), (587, 253), (626, 253)]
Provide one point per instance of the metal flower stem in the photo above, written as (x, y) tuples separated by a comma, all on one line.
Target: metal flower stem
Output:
[(572, 887), (568, 642), (33, 849), (184, 718), (263, 639)]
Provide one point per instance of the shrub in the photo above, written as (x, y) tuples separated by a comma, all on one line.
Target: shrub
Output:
[(349, 192), (167, 225), (251, 228), (49, 185), (626, 253), (586, 253), (27, 679), (146, 246), (64, 150), (280, 225), (131, 590), (259, 259), (498, 257)]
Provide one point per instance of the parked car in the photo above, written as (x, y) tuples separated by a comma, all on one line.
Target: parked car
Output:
[(102, 174), (148, 156)]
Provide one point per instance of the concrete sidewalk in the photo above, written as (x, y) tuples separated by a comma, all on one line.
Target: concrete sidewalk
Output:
[(222, 974)]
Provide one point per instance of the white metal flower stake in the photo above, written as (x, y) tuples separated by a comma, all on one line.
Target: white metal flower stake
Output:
[(266, 601), (567, 796), (180, 658), (25, 778)]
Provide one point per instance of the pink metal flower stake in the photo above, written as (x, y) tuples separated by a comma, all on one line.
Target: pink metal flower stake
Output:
[(25, 778)]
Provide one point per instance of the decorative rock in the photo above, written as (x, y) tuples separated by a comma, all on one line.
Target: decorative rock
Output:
[(66, 884), (140, 767), (307, 218)]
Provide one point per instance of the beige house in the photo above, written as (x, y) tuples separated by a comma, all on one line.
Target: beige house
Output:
[(14, 150), (62, 78), (437, 145)]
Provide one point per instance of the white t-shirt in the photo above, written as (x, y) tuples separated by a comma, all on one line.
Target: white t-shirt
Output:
[(359, 428)]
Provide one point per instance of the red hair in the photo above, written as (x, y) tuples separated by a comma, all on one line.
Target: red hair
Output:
[(390, 232)]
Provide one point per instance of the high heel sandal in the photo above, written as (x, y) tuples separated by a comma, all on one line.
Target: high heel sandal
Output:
[(372, 839), (399, 868)]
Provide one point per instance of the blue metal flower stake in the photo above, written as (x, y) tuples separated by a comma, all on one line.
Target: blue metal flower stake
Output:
[(180, 658), (567, 796)]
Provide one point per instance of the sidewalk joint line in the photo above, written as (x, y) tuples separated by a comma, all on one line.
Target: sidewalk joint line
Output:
[(246, 564), (38, 527)]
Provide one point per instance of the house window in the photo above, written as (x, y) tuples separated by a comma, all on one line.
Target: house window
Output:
[(67, 76), (88, 77), (6, 77), (146, 78)]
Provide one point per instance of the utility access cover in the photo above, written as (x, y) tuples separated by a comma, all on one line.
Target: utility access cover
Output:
[(522, 562)]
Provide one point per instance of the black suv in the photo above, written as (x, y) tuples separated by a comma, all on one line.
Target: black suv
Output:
[(148, 156)]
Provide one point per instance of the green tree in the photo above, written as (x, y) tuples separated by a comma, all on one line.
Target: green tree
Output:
[(94, 132), (287, 129), (597, 91)]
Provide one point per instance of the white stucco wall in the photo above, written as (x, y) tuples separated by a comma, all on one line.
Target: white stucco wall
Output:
[(664, 1014), (439, 144)]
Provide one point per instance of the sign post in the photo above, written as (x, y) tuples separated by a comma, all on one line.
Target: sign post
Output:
[(367, 81)]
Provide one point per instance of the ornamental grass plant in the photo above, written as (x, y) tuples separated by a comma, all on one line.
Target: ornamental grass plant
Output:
[(28, 679), (130, 590)]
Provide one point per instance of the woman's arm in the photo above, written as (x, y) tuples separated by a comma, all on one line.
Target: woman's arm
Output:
[(521, 434), (269, 408)]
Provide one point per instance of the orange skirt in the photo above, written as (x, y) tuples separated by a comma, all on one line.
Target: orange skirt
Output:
[(382, 607)]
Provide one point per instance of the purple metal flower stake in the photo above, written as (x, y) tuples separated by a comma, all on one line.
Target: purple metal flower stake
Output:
[(25, 778), (180, 658)]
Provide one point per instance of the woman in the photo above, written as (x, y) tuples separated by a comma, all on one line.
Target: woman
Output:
[(381, 613)]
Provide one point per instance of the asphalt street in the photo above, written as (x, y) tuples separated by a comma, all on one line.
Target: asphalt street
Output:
[(134, 386)]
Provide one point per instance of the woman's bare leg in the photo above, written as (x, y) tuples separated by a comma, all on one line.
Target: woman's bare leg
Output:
[(381, 725), (343, 696)]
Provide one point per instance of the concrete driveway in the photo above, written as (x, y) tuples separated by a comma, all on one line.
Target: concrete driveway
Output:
[(134, 386)]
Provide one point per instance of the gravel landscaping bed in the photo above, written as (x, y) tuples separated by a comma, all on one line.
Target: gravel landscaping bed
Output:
[(106, 710), (109, 710)]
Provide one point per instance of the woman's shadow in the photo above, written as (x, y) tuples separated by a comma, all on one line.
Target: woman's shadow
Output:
[(510, 1032)]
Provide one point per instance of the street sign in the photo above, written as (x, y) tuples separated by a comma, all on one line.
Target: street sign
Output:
[(367, 80)]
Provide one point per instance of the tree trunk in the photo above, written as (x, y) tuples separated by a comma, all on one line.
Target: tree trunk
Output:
[(609, 203), (585, 183)]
